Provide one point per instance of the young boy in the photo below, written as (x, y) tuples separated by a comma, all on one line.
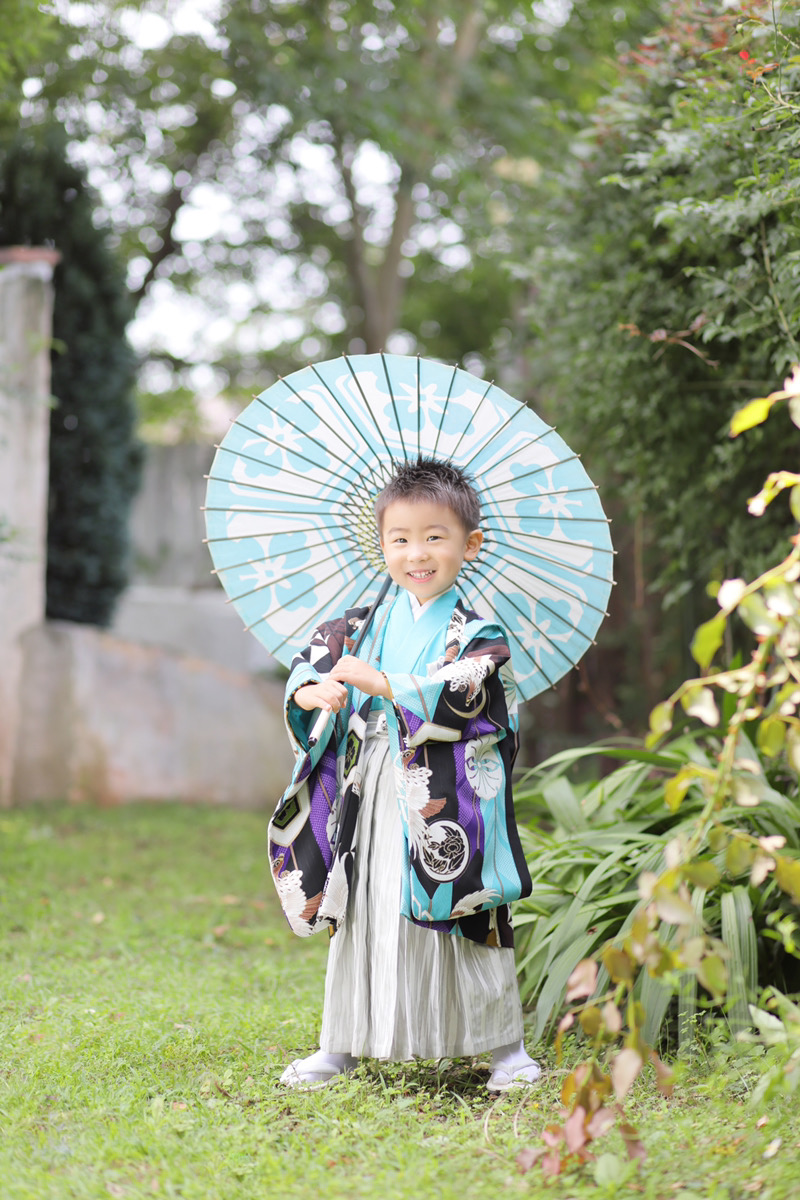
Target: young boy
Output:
[(398, 830)]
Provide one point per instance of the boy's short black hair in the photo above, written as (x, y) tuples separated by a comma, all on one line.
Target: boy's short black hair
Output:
[(433, 480)]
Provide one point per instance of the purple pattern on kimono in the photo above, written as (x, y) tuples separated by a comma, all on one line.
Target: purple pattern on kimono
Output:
[(322, 796)]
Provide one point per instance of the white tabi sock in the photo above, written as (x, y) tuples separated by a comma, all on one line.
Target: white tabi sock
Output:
[(512, 1066), (318, 1069)]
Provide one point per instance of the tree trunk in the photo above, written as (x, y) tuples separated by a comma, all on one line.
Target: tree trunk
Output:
[(379, 290)]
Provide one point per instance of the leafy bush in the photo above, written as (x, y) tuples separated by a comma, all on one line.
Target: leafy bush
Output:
[(588, 845)]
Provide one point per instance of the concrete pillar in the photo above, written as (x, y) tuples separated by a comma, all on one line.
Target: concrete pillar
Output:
[(26, 305)]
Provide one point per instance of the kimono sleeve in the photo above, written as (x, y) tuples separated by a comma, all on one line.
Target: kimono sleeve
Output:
[(444, 706), (316, 660)]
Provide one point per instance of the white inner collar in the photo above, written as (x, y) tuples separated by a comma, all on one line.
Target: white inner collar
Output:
[(418, 608)]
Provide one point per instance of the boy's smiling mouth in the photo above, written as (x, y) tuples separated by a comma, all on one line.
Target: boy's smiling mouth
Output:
[(421, 574)]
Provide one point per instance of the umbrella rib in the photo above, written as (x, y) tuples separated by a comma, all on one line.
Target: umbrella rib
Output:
[(394, 405), (545, 537), (266, 533), (317, 583), (538, 470), (544, 517), (569, 595), (369, 410), (263, 487), (261, 463), (284, 554), (262, 508), (471, 421), (530, 554), (370, 468), (526, 653), (304, 432), (289, 636), (527, 618), (321, 418), (247, 562), (241, 425), (240, 508), (590, 487), (517, 412), (444, 410)]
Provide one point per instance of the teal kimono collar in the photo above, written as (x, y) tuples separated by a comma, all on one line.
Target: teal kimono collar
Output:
[(409, 645)]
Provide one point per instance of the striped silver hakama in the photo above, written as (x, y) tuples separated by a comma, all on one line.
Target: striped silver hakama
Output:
[(394, 990)]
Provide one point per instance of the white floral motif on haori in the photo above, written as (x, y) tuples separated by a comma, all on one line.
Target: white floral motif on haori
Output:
[(334, 902), (292, 897), (509, 689), (474, 902), (466, 674), (484, 766), (412, 785)]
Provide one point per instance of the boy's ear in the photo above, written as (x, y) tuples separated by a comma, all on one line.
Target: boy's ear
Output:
[(474, 543)]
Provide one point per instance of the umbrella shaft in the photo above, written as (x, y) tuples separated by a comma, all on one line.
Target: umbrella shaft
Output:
[(324, 716)]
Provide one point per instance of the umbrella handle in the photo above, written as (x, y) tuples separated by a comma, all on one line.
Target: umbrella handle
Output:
[(319, 726)]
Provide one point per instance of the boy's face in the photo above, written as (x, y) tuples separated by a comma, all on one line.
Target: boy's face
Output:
[(424, 545)]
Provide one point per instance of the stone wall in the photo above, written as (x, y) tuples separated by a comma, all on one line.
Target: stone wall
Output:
[(108, 722), (25, 328), (174, 600), (167, 525)]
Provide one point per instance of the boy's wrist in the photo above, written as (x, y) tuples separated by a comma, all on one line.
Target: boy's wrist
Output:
[(296, 698)]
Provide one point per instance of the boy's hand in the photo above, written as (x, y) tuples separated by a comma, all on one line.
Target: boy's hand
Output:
[(327, 695), (361, 675)]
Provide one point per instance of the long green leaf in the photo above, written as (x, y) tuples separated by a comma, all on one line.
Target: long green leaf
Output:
[(687, 986), (738, 934), (555, 986), (564, 806)]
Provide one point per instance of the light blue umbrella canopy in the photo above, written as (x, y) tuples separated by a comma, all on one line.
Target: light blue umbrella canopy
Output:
[(289, 506)]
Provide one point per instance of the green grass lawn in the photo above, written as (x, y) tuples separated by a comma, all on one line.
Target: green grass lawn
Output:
[(150, 995)]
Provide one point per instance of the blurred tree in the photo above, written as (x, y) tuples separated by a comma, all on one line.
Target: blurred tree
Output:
[(326, 172), (27, 32), (94, 456)]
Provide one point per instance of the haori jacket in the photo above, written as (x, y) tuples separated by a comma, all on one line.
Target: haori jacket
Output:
[(453, 740)]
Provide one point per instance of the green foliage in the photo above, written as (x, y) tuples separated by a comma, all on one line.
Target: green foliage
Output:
[(666, 284), (94, 455), (27, 32), (589, 844)]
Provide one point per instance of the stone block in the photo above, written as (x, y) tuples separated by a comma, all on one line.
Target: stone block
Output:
[(104, 721), (196, 621)]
